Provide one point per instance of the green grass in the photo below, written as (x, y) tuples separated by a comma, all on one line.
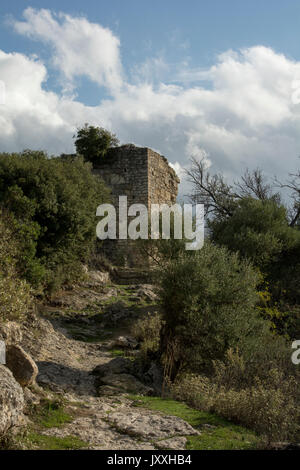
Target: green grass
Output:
[(222, 436), (117, 353), (43, 442), (51, 414), (229, 437)]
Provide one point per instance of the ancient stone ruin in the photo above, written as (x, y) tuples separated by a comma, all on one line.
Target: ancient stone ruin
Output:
[(145, 177)]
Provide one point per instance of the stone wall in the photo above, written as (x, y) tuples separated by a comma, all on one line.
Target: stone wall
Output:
[(162, 180), (145, 177), (125, 171)]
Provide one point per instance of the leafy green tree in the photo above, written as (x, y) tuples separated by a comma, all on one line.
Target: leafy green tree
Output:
[(250, 218), (93, 143), (257, 229), (208, 301), (53, 203)]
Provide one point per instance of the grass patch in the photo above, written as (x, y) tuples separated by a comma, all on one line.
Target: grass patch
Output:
[(51, 414), (229, 437), (43, 442), (222, 435), (117, 353)]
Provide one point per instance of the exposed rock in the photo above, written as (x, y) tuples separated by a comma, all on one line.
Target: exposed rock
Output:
[(11, 401), (115, 313), (154, 377), (125, 342), (108, 391), (99, 277), (151, 426), (11, 333), (99, 434), (133, 276), (124, 383), (22, 366), (146, 292), (30, 397), (175, 443), (124, 374), (119, 365)]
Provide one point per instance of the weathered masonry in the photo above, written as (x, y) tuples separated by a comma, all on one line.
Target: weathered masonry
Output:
[(145, 177)]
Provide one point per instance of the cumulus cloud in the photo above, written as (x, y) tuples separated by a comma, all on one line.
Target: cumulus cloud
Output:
[(79, 47), (245, 118)]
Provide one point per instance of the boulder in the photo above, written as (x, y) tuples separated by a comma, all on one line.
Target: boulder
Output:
[(146, 292), (154, 377), (99, 277), (11, 332), (22, 366), (175, 443), (124, 383), (125, 342), (11, 401), (150, 426), (119, 365)]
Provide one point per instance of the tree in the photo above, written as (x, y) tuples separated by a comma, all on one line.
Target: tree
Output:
[(249, 217), (93, 142), (52, 202), (258, 230), (208, 302), (220, 198), (293, 185), (15, 294)]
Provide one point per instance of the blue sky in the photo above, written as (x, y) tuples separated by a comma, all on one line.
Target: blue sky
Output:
[(212, 79), (195, 30)]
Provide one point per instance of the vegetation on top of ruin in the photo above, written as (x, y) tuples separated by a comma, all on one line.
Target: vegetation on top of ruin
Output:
[(93, 143)]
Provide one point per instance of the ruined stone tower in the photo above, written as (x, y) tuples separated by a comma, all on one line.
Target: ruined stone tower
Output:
[(145, 177)]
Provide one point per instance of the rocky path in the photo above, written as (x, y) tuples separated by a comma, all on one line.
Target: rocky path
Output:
[(110, 421)]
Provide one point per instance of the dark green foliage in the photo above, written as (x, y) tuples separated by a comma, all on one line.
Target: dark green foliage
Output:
[(93, 143), (258, 230), (15, 295), (53, 205), (208, 301)]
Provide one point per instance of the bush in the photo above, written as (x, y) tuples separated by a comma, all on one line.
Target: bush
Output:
[(208, 300), (15, 295), (259, 392), (93, 143), (269, 406), (53, 203), (258, 230), (147, 332)]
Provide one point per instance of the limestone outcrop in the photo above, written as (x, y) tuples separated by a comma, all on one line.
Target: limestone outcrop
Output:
[(11, 401), (22, 366)]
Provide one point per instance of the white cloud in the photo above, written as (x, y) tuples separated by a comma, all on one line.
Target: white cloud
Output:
[(80, 47), (246, 118)]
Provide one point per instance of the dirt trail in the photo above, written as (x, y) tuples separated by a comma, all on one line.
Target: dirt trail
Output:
[(66, 365)]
